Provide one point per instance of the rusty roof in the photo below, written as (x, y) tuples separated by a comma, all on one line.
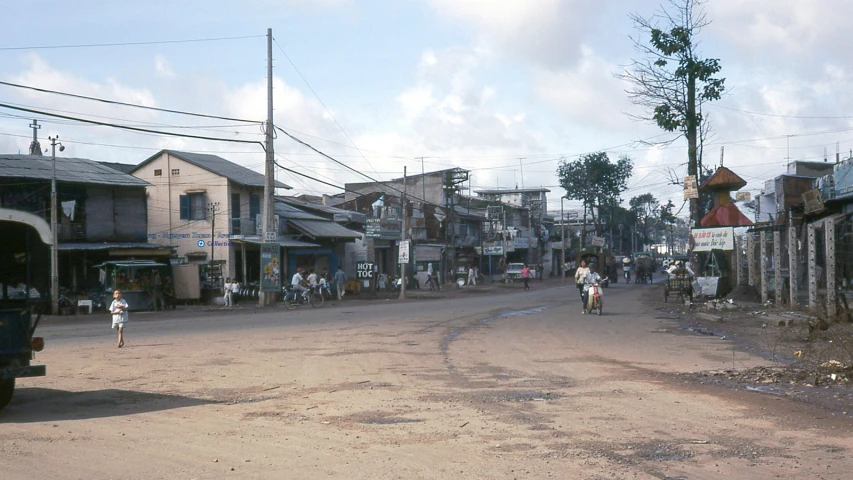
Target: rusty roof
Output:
[(723, 179)]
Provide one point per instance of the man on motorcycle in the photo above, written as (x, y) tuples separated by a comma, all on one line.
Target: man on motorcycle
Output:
[(626, 268), (297, 282), (591, 278)]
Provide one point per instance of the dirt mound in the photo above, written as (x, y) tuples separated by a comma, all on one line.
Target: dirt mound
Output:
[(745, 293)]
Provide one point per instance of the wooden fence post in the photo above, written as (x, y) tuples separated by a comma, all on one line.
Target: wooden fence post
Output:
[(829, 232), (762, 257), (777, 266), (793, 263), (811, 267)]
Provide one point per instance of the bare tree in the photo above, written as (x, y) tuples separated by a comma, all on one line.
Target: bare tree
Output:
[(672, 80)]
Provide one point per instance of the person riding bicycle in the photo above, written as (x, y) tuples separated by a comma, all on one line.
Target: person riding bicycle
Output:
[(591, 278), (298, 281)]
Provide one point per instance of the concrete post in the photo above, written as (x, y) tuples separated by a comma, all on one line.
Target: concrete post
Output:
[(763, 259), (738, 260), (777, 266), (829, 232), (750, 258), (793, 263), (812, 252)]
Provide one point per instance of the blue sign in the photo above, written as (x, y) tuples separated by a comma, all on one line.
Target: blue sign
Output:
[(201, 244)]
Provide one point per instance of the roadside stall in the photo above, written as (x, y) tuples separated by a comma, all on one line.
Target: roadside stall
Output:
[(138, 282)]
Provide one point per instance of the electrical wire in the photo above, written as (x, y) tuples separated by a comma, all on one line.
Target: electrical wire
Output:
[(124, 44), (134, 129), (124, 104)]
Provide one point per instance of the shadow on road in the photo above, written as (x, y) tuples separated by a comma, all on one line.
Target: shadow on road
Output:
[(30, 405)]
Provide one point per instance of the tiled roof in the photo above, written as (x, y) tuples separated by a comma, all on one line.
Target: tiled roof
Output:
[(220, 166), (723, 178)]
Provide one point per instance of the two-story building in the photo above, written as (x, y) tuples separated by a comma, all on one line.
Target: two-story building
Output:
[(200, 204), (102, 212)]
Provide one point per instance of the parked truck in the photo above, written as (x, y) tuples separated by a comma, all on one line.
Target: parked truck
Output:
[(24, 294)]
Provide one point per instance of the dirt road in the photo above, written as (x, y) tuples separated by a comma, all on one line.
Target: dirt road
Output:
[(517, 385)]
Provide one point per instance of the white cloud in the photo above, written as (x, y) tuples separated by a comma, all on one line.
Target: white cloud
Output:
[(543, 32), (162, 67)]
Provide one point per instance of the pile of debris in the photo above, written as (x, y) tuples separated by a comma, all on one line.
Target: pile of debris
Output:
[(828, 373), (745, 293)]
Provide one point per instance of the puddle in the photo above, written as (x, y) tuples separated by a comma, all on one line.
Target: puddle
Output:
[(767, 389), (445, 343)]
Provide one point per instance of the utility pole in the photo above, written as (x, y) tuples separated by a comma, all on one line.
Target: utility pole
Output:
[(404, 214), (563, 238), (54, 253), (212, 207), (270, 235)]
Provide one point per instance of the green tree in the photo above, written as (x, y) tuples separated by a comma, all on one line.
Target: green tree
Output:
[(673, 80), (646, 209), (596, 181), (667, 221)]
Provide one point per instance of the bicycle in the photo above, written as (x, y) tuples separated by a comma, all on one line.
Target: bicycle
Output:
[(294, 298)]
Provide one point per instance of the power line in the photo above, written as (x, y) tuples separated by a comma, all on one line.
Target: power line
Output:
[(134, 129), (777, 115), (324, 105), (124, 44), (114, 102)]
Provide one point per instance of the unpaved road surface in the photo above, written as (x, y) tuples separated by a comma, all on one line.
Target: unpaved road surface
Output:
[(514, 385)]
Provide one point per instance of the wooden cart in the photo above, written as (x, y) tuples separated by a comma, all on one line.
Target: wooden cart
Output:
[(678, 285)]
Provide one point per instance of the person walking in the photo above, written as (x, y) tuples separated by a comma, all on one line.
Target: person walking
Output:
[(118, 308), (340, 282), (229, 289), (472, 276), (159, 301), (580, 275), (525, 276), (235, 290)]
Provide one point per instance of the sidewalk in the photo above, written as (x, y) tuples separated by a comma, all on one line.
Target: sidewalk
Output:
[(246, 307)]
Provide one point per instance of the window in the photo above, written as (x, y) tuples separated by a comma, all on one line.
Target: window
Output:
[(235, 205), (158, 173), (176, 171), (254, 205), (193, 206)]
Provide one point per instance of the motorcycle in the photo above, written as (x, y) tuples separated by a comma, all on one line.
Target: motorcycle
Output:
[(294, 298), (594, 299)]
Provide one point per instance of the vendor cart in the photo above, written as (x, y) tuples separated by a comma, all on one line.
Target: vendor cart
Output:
[(678, 285), (137, 281)]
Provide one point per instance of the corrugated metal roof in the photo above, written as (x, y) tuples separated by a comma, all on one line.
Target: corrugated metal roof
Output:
[(109, 246), (357, 217), (68, 170), (324, 229), (218, 165), (290, 212), (285, 242)]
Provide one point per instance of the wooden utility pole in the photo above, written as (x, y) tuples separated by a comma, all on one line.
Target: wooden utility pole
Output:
[(270, 235), (404, 214)]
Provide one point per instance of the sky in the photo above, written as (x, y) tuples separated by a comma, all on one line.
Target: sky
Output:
[(503, 88)]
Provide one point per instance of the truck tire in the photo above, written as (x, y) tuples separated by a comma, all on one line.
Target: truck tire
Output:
[(7, 387)]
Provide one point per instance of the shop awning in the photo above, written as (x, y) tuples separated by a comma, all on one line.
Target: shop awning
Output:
[(323, 229), (284, 242)]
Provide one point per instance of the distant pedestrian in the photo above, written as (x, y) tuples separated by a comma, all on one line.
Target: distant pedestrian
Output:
[(525, 276), (235, 290), (159, 301), (118, 308), (340, 282), (580, 275), (229, 302), (472, 276)]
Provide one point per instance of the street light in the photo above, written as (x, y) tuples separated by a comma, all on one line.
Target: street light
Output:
[(54, 257)]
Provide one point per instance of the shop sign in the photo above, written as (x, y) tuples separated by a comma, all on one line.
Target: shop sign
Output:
[(597, 241), (691, 188), (404, 251), (364, 270), (494, 250), (271, 266), (707, 239), (522, 243), (383, 229)]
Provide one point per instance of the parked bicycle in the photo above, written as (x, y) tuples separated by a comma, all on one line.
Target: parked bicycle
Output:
[(294, 298)]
